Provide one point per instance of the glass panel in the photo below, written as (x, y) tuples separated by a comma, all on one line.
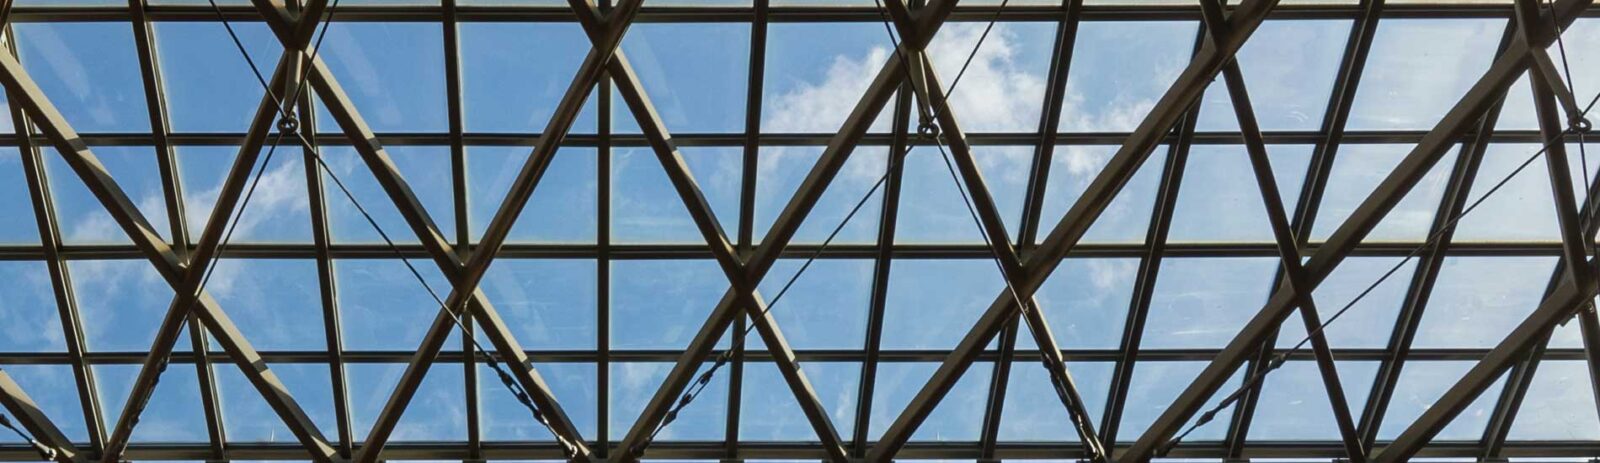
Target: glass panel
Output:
[(1202, 302), (383, 307), (633, 384), (28, 306), (931, 206), (1559, 405), (54, 390), (89, 71), (393, 72), (246, 416), (121, 303), (1421, 383), (1582, 35), (694, 74), (1289, 67), (174, 413), (504, 419), (953, 292), (83, 219), (1369, 322), (646, 208), (1033, 412), (1477, 300), (275, 302), (827, 306), (660, 304), (1156, 385), (1219, 199), (512, 79), (280, 209), (1003, 89), (209, 85), (1294, 404), (957, 418), (768, 410), (547, 303), (436, 413), (779, 173), (1119, 70), (563, 206), (1126, 219), (1357, 172), (15, 203), (425, 168), (1419, 68), (817, 72), (1086, 302), (1523, 209)]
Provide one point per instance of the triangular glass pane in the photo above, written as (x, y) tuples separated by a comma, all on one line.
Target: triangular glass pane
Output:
[(54, 390), (1357, 172), (827, 306), (953, 292), (437, 412), (1369, 322), (15, 202), (646, 208), (392, 71), (768, 410), (817, 72), (175, 412), (209, 85), (382, 306), (563, 207), (780, 172), (1202, 302), (121, 303), (932, 209), (511, 79), (81, 216), (1156, 385), (546, 303), (280, 209), (503, 418), (276, 303), (425, 168), (1420, 385), (1294, 405), (957, 418), (89, 71), (1127, 218), (246, 416), (28, 306), (1086, 302), (660, 304), (1219, 199), (1033, 412), (1418, 68), (1289, 67), (1003, 89), (1119, 70), (1477, 300), (1559, 405), (632, 385), (694, 74)]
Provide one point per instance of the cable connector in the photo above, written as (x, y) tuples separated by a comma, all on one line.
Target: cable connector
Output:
[(288, 125)]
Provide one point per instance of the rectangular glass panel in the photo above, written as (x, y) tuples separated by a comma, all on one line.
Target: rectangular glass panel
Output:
[(15, 202), (1421, 383), (427, 169), (779, 175), (632, 385), (280, 208), (694, 74), (768, 410), (1119, 70), (563, 207), (122, 303), (28, 306), (645, 207), (503, 418), (955, 293), (1220, 200), (931, 206), (209, 86), (547, 303), (393, 72), (384, 307), (1033, 411), (957, 418), (89, 71), (816, 72), (1201, 302), (660, 304), (1418, 68), (1126, 219), (512, 79)]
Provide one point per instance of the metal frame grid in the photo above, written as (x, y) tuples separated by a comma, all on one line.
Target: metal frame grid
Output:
[(463, 257)]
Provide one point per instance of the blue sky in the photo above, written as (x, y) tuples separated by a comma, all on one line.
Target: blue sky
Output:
[(696, 74)]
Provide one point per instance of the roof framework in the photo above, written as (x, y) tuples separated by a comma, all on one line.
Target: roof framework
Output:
[(1026, 258)]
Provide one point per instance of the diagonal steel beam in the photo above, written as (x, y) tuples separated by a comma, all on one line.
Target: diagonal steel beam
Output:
[(1416, 164), (28, 414), (1284, 237), (788, 222), (88, 167), (1172, 106), (187, 292), (449, 261), (627, 83)]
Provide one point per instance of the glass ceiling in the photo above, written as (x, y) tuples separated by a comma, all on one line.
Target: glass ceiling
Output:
[(605, 277)]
